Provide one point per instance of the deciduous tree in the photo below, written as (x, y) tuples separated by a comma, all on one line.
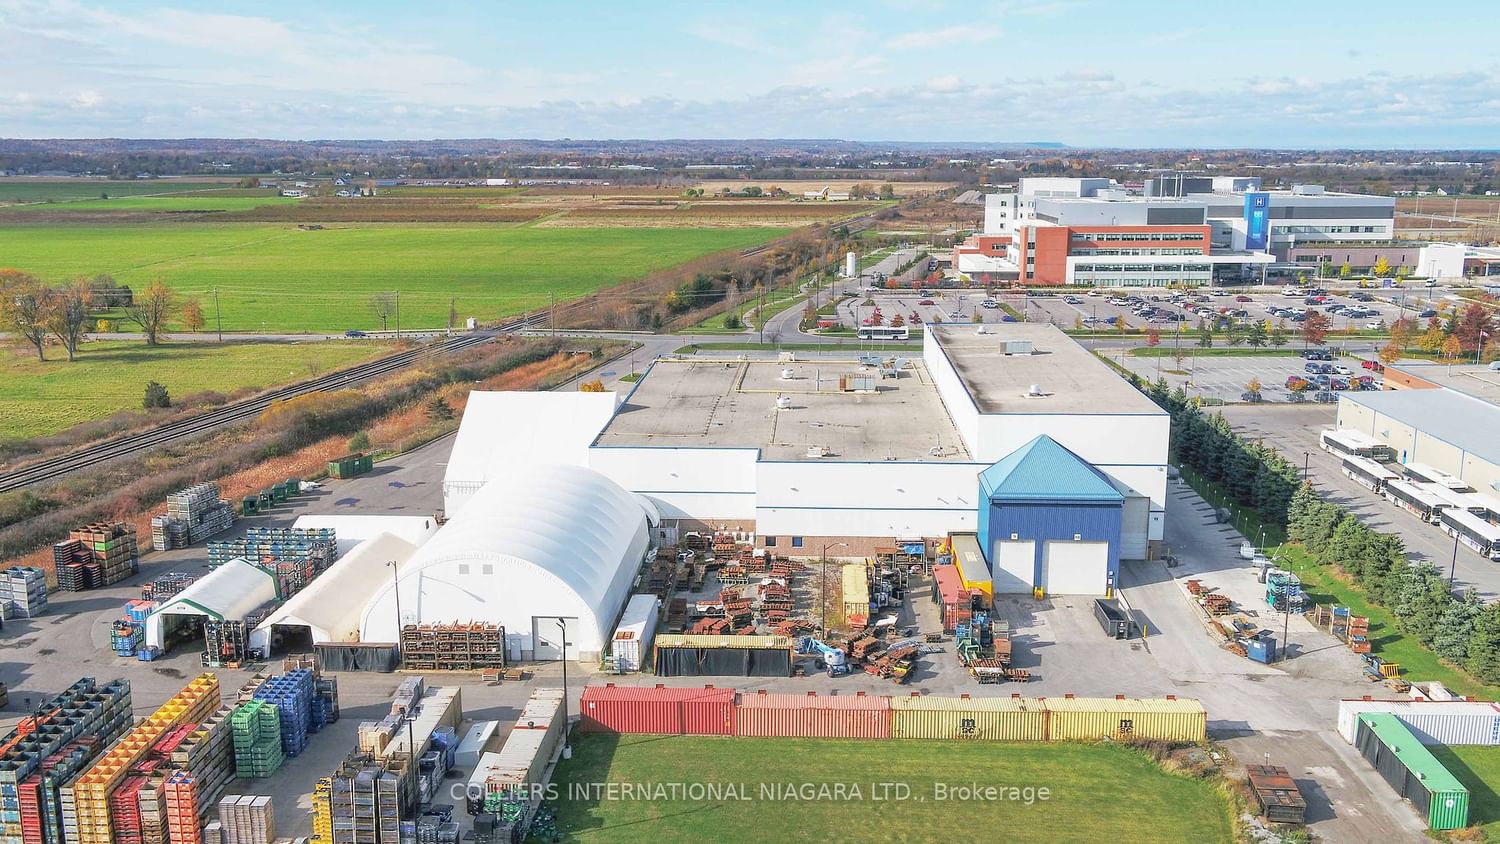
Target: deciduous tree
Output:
[(192, 315), (1474, 326), (384, 304), (1315, 328), (151, 309), (1382, 267), (25, 308), (68, 315), (1390, 353)]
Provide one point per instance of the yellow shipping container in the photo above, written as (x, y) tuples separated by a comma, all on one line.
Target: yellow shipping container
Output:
[(1092, 719), (695, 640), (856, 594), (977, 719), (972, 568)]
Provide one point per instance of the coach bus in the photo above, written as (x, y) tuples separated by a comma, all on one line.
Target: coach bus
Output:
[(1454, 500), (1369, 474), (1491, 506), (1347, 443), (1472, 531), (1428, 475), (1419, 502), (883, 332)]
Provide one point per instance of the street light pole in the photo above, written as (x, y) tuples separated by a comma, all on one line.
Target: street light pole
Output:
[(1453, 567), (408, 716), (1306, 460), (562, 625)]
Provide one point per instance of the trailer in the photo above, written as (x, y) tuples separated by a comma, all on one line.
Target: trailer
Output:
[(1277, 793)]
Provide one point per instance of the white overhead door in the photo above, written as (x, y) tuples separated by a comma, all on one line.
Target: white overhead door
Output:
[(1015, 566), (547, 637), (1075, 568), (1135, 527)]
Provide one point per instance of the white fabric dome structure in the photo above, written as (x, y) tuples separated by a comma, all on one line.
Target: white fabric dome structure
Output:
[(548, 542)]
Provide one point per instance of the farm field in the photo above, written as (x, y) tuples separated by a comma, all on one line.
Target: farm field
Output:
[(38, 398), (176, 202), (797, 187), (22, 189), (1097, 793), (1478, 768), (283, 278)]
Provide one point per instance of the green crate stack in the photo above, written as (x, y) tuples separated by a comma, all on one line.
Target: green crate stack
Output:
[(256, 727)]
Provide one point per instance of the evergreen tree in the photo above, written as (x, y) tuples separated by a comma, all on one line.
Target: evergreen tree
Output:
[(1484, 645), (1451, 642)]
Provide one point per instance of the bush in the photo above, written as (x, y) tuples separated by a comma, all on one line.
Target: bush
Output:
[(156, 396), (359, 442), (732, 321)]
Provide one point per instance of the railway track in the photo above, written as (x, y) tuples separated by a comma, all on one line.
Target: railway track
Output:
[(128, 444)]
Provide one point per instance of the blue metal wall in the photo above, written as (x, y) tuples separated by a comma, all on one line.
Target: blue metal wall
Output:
[(1040, 521)]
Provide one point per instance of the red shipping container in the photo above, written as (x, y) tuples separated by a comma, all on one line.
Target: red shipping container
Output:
[(948, 582), (660, 710), (810, 716)]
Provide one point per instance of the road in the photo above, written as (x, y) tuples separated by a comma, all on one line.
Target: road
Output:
[(1294, 430)]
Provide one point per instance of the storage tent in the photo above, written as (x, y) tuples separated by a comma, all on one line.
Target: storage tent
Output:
[(544, 543), (506, 431), (228, 593), (331, 607)]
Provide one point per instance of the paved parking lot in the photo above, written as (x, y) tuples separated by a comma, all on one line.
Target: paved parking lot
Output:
[(1227, 377)]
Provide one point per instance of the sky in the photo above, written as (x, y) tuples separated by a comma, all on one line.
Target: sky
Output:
[(1128, 73)]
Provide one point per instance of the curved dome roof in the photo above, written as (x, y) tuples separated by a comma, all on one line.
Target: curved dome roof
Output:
[(569, 521)]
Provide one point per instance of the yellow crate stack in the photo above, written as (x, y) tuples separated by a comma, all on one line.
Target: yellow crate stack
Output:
[(322, 811), (86, 815)]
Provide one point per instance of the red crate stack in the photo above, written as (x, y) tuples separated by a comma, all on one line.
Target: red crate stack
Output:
[(183, 824), (125, 810), (30, 793)]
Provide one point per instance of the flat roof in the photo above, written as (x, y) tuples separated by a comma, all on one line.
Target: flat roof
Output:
[(1459, 420), (1070, 377), (732, 403), (1478, 381)]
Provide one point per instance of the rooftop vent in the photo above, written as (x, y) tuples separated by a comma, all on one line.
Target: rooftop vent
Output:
[(1035, 392), (783, 402), (786, 374), (982, 329), (818, 451)]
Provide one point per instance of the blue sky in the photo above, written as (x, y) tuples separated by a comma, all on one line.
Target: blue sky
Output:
[(1083, 72)]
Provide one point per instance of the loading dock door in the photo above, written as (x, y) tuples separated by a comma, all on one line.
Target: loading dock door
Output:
[(1015, 566), (1075, 568), (1135, 527), (547, 638)]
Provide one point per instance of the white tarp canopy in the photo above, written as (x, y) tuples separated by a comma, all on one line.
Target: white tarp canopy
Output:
[(228, 593), (542, 543), (353, 529), (332, 605), (503, 432)]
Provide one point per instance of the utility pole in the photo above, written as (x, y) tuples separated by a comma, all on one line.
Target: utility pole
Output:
[(552, 313), (218, 317), (398, 315), (760, 315)]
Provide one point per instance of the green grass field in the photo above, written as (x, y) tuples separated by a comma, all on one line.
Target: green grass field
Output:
[(29, 190), (1096, 793), (1478, 768), (245, 201), (278, 277), (39, 398)]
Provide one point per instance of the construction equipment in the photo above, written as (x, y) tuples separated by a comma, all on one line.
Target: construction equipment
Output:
[(836, 661)]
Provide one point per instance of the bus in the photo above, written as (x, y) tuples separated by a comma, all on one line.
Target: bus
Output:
[(1419, 502), (1368, 473), (1491, 506), (1427, 474), (1347, 443), (883, 332), (1472, 531), (1454, 500)]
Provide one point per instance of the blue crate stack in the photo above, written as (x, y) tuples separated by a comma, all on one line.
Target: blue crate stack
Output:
[(292, 694)]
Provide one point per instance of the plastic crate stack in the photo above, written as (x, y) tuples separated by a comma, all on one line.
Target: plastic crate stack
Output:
[(292, 694), (256, 727), (101, 554), (225, 642), (326, 691), (452, 647), (367, 795), (1284, 592), (193, 515), (247, 820), (322, 812), (436, 826), (294, 555), (184, 825), (152, 803), (207, 757), (86, 799), (125, 636), (23, 592), (68, 560), (38, 792), (167, 585)]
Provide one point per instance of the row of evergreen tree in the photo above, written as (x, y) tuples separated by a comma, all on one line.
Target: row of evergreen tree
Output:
[(1464, 631)]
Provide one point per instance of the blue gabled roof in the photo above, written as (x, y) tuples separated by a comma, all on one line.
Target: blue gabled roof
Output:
[(1044, 470)]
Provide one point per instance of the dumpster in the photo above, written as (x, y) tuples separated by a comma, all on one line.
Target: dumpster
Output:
[(1116, 622)]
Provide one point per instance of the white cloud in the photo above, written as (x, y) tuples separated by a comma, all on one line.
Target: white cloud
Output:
[(949, 84), (87, 99), (946, 37)]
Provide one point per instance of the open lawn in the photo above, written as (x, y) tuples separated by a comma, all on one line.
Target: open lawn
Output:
[(61, 190), (169, 203), (39, 398), (279, 277), (1477, 767), (1094, 793)]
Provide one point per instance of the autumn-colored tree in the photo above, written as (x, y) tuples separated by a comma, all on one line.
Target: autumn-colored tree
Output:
[(1474, 326), (25, 308), (1345, 270), (594, 386), (1254, 385), (1402, 330), (1078, 322), (151, 308), (1432, 339), (1315, 328), (1382, 267), (192, 315), (1153, 338), (1390, 353), (1452, 347), (68, 314)]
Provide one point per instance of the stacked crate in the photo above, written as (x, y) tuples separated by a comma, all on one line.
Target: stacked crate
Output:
[(125, 636), (1284, 592), (322, 812), (152, 803), (225, 643), (292, 695), (38, 792), (452, 647), (326, 697), (23, 592), (247, 820), (295, 555), (100, 554), (206, 756), (193, 515), (85, 801), (166, 585), (367, 796), (256, 728), (184, 823)]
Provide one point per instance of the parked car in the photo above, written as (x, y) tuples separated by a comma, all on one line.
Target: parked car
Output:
[(989, 304), (355, 333), (1340, 369), (1073, 300), (1374, 326), (1325, 397), (1293, 380), (1375, 365), (1243, 298), (927, 302), (1292, 292), (1338, 384), (1312, 367), (1427, 313)]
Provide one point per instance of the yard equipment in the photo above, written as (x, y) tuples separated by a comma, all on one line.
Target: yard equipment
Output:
[(835, 659)]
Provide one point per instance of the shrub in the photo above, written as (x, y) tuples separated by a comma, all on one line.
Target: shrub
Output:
[(359, 442), (156, 396)]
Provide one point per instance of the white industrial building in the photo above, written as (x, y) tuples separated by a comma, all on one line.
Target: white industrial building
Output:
[(228, 593), (809, 454)]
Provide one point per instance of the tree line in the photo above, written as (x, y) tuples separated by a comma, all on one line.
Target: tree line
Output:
[(38, 313)]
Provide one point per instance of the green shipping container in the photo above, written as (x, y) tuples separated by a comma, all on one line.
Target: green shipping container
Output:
[(350, 465), (1411, 769), (278, 492), (293, 486), (266, 498), (249, 506)]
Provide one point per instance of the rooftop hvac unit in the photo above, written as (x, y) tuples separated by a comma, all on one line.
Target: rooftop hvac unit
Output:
[(982, 329), (1035, 391), (818, 451), (783, 402), (786, 374)]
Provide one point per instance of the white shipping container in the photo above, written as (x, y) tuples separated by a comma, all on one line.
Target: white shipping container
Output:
[(475, 743), (632, 639), (523, 758), (1431, 721)]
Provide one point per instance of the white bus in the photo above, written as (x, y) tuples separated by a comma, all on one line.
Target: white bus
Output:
[(1427, 474), (1369, 474), (883, 332), (1347, 443), (1472, 531), (1491, 506), (1454, 500), (1419, 502)]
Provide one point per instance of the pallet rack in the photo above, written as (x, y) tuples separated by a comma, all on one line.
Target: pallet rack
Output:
[(367, 796), (471, 646)]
